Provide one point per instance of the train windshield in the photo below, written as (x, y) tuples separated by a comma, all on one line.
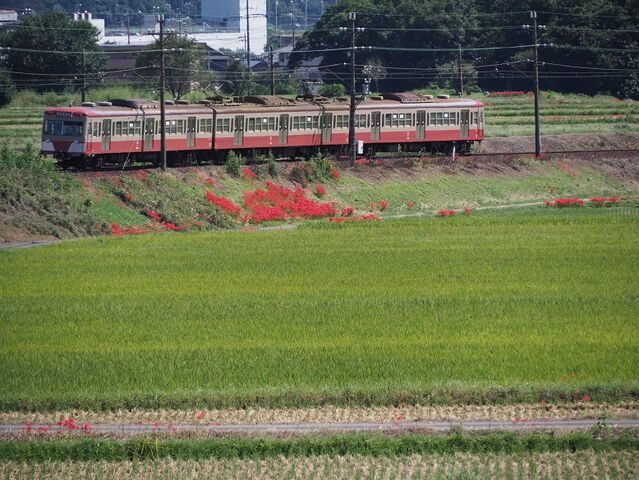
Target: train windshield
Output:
[(64, 128)]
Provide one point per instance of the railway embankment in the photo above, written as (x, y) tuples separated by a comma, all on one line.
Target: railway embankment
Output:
[(40, 203)]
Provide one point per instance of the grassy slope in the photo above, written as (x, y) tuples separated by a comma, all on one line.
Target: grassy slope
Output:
[(532, 302)]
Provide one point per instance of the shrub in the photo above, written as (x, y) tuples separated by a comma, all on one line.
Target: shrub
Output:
[(7, 88), (234, 163), (333, 90), (272, 165)]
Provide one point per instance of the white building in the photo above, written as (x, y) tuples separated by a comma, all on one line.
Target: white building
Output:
[(223, 27), (98, 23)]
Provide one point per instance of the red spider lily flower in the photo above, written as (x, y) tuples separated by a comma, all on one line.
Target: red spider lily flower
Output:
[(562, 166), (320, 191), (27, 427), (586, 398), (446, 213), (171, 427), (410, 205), (335, 173), (154, 215), (128, 197), (200, 415), (569, 202), (224, 203), (173, 227), (382, 205), (44, 429), (135, 230), (468, 211), (68, 424), (348, 211), (360, 162), (211, 182), (86, 427), (248, 174), (116, 230)]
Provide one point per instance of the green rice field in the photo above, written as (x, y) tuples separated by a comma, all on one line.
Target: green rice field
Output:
[(522, 304)]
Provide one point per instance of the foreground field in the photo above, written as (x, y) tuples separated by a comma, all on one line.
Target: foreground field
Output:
[(493, 307), (556, 465)]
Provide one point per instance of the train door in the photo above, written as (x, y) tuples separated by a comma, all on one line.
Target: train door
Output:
[(284, 129), (149, 132), (464, 123), (106, 135), (376, 123), (421, 124), (239, 129), (190, 132), (326, 124)]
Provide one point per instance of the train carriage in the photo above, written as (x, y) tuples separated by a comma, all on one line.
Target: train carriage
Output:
[(129, 130)]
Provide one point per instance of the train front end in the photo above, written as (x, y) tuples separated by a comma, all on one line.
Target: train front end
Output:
[(64, 133)]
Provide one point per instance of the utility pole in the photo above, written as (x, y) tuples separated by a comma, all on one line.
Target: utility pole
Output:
[(352, 145), (84, 75), (160, 19), (272, 68), (535, 28), (248, 47), (461, 73), (277, 28)]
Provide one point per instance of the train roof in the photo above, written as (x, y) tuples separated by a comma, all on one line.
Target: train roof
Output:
[(261, 104)]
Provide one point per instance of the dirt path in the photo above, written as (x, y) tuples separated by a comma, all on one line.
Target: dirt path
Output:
[(304, 428)]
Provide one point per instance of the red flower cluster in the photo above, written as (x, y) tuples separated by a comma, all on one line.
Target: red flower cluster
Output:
[(154, 215), (172, 227), (128, 197), (368, 216), (604, 201), (320, 191), (509, 94), (565, 202), (348, 211), (410, 205), (382, 205), (224, 203), (248, 174), (335, 173), (360, 162), (279, 203), (71, 425), (468, 211), (446, 213)]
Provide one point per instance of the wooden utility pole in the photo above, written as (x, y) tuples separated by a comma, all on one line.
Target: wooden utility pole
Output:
[(248, 47), (352, 143), (84, 75), (272, 68), (535, 28), (461, 73), (162, 88)]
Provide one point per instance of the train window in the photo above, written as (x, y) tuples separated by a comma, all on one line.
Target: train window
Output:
[(137, 127), (305, 123), (453, 118), (180, 126), (251, 125), (223, 125), (360, 120), (341, 121), (270, 123), (118, 128), (96, 129)]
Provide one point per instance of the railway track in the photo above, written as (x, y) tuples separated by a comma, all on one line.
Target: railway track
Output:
[(399, 159)]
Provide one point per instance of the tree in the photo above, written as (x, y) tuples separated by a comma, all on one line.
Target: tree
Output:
[(52, 52), (448, 77), (184, 64), (7, 88)]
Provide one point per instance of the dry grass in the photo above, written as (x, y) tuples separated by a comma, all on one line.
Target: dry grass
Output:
[(339, 414), (585, 464)]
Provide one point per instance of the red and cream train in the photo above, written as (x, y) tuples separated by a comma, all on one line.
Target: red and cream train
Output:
[(129, 130)]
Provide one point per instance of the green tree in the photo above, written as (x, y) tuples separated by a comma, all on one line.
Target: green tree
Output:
[(50, 51), (183, 62), (7, 88), (448, 77)]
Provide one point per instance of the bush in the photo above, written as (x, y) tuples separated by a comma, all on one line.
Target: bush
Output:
[(234, 164), (333, 90), (273, 170)]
